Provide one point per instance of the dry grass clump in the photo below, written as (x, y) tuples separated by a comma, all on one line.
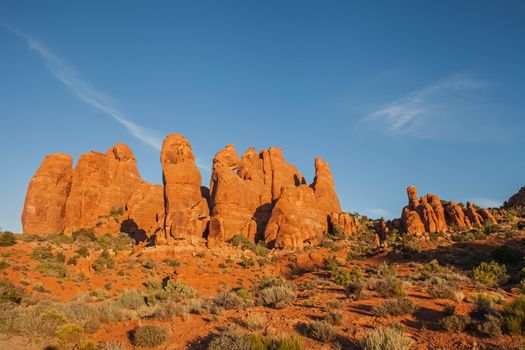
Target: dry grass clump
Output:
[(390, 286), (275, 292), (395, 307), (149, 336), (389, 338), (322, 331)]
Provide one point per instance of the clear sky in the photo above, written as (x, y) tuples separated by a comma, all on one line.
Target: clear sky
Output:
[(391, 93)]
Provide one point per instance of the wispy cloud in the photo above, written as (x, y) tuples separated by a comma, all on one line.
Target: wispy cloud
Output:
[(486, 202), (66, 74), (434, 101)]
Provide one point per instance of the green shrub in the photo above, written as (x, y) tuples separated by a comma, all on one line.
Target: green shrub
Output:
[(490, 274), (103, 262), (149, 336), (9, 293), (395, 307), (344, 277), (53, 269), (4, 264), (514, 316), (83, 252), (69, 333), (444, 290), (244, 294), (230, 339), (149, 264), (262, 342), (60, 257), (228, 300), (321, 331), (455, 323), (179, 288), (520, 225), (389, 287), (389, 338), (333, 317), (84, 235), (483, 306), (491, 327), (132, 300), (247, 262), (276, 297), (173, 263), (86, 345), (42, 253), (7, 239)]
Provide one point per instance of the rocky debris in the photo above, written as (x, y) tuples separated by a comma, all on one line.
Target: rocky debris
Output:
[(428, 215), (186, 210), (516, 200), (45, 203), (258, 195)]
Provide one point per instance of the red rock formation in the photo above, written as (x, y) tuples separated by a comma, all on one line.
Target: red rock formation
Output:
[(412, 222), (348, 222), (242, 191), (301, 216), (102, 183), (45, 204), (106, 193), (324, 188), (516, 200), (186, 210), (296, 219), (475, 219), (428, 215)]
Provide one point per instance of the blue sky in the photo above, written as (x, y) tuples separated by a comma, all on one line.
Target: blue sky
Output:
[(390, 93)]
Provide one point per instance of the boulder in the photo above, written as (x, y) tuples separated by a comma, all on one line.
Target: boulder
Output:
[(46, 197)]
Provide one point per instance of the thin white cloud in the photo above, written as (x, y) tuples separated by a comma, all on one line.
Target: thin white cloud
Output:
[(378, 212), (486, 202), (66, 74), (409, 112)]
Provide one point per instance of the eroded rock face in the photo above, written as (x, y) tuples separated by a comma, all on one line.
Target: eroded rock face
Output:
[(104, 192), (45, 203), (428, 215), (244, 190), (296, 219), (348, 222), (102, 184), (516, 200), (186, 210), (324, 188)]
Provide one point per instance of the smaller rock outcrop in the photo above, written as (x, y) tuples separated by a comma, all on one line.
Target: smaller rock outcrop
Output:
[(428, 214)]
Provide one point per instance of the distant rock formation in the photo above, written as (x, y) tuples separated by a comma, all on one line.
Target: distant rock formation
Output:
[(258, 195), (516, 200), (429, 214)]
